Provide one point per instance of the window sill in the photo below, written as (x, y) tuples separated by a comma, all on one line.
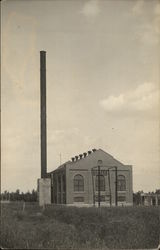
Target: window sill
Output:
[(79, 192), (78, 202)]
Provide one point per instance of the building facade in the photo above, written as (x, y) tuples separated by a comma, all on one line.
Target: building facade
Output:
[(81, 182)]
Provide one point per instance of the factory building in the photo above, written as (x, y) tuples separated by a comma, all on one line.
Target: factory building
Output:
[(92, 178)]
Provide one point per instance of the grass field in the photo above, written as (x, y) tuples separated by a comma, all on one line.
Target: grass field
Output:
[(59, 227)]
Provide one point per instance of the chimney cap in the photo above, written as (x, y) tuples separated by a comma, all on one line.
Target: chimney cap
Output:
[(72, 159), (94, 149), (76, 157), (80, 155), (89, 152)]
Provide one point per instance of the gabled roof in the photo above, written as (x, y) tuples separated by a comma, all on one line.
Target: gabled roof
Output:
[(61, 166), (110, 157)]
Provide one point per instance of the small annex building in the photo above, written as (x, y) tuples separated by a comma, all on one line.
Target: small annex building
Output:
[(76, 182), (150, 199)]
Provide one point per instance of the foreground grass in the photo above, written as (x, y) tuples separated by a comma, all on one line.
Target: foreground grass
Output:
[(73, 228)]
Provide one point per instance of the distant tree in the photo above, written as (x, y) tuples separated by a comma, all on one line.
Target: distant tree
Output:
[(137, 198), (19, 196), (34, 195)]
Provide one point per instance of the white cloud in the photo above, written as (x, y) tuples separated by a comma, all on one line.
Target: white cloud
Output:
[(113, 102), (91, 8), (23, 27), (138, 7), (156, 20), (144, 98), (157, 9), (60, 135), (147, 31)]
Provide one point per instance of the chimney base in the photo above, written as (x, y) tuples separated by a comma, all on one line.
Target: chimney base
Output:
[(44, 191)]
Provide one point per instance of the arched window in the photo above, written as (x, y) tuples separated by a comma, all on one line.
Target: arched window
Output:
[(102, 183), (78, 183), (121, 183)]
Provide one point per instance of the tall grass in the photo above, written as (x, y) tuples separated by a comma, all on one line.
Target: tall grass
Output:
[(59, 227)]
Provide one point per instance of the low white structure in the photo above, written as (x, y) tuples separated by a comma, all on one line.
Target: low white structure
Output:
[(150, 199)]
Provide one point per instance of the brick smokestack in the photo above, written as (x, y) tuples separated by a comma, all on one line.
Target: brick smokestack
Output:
[(43, 114)]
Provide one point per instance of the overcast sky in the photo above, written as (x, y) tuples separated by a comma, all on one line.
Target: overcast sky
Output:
[(102, 85)]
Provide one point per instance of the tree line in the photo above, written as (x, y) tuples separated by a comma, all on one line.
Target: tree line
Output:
[(19, 196), (32, 196)]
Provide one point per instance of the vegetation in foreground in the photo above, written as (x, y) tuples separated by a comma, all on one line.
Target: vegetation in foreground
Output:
[(59, 227)]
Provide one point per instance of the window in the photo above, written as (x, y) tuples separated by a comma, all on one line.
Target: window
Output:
[(59, 198), (121, 183), (52, 180), (64, 183), (64, 198), (78, 183), (121, 198), (102, 183), (102, 198), (59, 183), (55, 188), (78, 199)]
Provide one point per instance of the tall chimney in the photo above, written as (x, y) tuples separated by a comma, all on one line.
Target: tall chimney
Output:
[(43, 113)]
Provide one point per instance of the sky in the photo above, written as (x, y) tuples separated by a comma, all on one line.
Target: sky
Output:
[(102, 85)]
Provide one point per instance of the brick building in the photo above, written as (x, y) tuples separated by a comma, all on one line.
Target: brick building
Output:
[(76, 182)]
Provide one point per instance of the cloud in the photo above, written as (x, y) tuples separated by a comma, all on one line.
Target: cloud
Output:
[(144, 98), (23, 27), (58, 136), (91, 8), (156, 20), (138, 7), (148, 31), (157, 9)]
